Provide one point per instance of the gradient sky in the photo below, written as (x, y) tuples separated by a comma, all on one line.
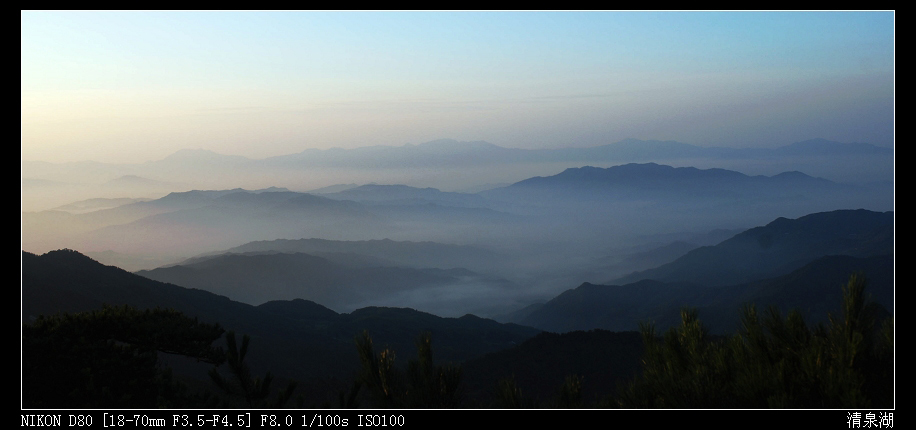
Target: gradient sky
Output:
[(138, 86)]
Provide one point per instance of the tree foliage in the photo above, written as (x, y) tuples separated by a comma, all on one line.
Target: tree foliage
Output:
[(255, 390), (773, 362), (424, 385), (509, 396), (570, 395), (110, 358)]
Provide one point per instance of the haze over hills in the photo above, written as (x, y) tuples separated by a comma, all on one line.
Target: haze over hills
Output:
[(402, 194), (445, 279), (814, 289), (367, 249), (445, 164), (293, 336), (442, 179), (486, 260), (793, 264), (196, 221), (779, 247), (450, 152), (653, 199), (296, 338), (259, 278), (651, 181), (93, 205), (386, 252), (549, 231)]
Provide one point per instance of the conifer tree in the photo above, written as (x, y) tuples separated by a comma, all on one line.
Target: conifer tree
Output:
[(109, 358), (255, 390), (773, 362), (425, 385)]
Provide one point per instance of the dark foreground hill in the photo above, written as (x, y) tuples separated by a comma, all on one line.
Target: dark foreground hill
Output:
[(308, 342), (602, 361), (296, 339)]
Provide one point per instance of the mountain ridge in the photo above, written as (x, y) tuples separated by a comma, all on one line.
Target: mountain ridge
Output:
[(780, 244), (814, 289), (68, 281), (618, 151)]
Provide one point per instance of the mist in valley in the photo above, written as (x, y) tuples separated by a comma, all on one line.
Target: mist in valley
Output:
[(521, 243), (509, 182)]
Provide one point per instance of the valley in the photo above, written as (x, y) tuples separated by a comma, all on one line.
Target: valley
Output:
[(584, 256)]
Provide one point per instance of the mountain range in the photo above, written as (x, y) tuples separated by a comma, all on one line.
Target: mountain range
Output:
[(296, 338), (453, 152), (787, 264), (444, 164), (791, 264), (814, 289), (345, 284), (542, 232), (779, 247), (652, 181)]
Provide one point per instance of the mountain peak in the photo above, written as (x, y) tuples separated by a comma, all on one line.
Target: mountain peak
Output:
[(66, 257), (643, 171)]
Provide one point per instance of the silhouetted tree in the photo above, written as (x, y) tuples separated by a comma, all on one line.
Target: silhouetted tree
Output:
[(109, 358), (570, 393), (509, 396), (424, 386), (772, 362), (255, 390)]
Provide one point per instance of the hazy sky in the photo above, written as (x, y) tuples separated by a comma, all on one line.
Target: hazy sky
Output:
[(137, 86)]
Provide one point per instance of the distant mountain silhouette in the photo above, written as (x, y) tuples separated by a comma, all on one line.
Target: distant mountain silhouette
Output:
[(51, 184), (92, 205), (792, 264), (139, 208), (779, 247), (332, 188), (443, 152), (202, 220), (385, 252), (402, 194), (449, 152), (655, 181), (258, 278), (814, 289), (624, 263)]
